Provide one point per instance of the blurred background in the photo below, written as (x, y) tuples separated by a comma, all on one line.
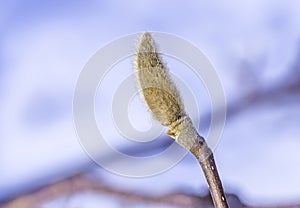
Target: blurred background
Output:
[(255, 49)]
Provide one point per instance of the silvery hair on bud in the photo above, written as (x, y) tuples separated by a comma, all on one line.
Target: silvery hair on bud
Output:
[(155, 84)]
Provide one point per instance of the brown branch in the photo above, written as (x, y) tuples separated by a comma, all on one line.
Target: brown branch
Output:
[(81, 183), (209, 168)]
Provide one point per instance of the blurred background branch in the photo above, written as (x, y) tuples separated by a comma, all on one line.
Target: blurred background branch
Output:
[(83, 183)]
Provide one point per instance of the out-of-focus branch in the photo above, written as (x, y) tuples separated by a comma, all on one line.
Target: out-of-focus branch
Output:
[(81, 183), (286, 89)]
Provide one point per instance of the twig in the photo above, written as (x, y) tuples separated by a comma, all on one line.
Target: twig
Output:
[(164, 102), (187, 136)]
